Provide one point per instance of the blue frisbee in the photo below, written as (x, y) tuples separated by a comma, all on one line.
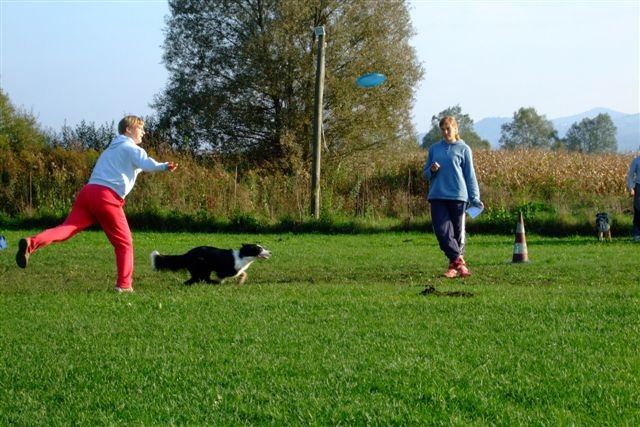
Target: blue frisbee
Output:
[(370, 80)]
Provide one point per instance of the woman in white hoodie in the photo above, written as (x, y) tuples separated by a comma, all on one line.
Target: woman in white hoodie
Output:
[(101, 200)]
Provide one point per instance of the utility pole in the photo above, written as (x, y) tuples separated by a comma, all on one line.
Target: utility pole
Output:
[(317, 124)]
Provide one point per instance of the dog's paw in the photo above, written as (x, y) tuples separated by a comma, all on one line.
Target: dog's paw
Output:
[(152, 257), (243, 278)]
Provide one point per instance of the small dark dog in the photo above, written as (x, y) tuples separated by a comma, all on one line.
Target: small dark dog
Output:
[(204, 260), (602, 226)]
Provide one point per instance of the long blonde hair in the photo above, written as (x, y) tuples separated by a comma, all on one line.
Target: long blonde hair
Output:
[(450, 120)]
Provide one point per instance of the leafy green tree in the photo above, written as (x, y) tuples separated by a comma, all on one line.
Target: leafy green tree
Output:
[(157, 138), (465, 128), (19, 131), (21, 145), (528, 130), (87, 136), (242, 77), (84, 136), (597, 135)]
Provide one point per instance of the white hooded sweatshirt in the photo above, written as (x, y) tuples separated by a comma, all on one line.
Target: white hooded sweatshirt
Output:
[(119, 165)]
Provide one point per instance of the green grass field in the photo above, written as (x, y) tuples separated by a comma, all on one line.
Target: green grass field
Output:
[(332, 330)]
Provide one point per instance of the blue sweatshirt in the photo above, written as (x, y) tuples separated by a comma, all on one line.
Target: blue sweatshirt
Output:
[(456, 178), (119, 165)]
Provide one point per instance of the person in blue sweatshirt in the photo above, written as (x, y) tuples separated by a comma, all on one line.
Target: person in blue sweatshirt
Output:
[(101, 200), (452, 188), (633, 186)]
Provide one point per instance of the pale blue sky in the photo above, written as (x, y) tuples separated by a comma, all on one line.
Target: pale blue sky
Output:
[(97, 60)]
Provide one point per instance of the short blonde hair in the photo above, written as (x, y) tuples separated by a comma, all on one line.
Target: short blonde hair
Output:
[(129, 121)]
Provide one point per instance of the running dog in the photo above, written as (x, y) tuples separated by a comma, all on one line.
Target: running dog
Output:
[(204, 260), (602, 226)]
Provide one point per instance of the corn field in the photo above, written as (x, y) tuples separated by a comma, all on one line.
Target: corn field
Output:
[(565, 180), (561, 183)]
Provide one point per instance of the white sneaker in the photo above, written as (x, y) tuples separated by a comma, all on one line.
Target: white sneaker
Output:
[(124, 290)]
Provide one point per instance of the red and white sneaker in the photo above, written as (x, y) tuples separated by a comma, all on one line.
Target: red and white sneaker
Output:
[(461, 267), (452, 272)]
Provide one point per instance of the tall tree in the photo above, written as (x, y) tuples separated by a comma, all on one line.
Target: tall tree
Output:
[(528, 130), (21, 143), (242, 76), (465, 128), (19, 130), (597, 135)]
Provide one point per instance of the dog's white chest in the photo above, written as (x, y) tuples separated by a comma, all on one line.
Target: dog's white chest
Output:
[(241, 263)]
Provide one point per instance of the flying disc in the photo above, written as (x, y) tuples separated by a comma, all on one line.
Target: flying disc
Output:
[(474, 211), (370, 80)]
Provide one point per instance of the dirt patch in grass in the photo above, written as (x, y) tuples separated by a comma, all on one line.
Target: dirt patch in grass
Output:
[(430, 290)]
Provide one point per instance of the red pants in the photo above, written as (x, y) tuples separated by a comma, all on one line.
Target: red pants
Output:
[(96, 204)]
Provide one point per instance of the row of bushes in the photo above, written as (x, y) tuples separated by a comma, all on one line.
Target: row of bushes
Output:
[(558, 193), (494, 221)]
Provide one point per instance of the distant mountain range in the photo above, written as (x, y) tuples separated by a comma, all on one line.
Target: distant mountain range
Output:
[(627, 127)]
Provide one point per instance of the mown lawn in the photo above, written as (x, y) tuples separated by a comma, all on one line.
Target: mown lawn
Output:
[(332, 330)]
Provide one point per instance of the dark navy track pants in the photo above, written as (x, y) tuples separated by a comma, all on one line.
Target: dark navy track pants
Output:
[(448, 219), (636, 212)]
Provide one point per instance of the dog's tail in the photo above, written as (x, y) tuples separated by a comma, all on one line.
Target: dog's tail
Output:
[(167, 262)]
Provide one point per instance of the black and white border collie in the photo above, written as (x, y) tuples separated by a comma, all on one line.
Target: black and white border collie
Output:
[(204, 260)]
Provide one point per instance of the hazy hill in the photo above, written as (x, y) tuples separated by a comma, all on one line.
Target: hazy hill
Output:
[(627, 125), (628, 132)]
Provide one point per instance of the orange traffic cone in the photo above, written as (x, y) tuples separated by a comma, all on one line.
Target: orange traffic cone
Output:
[(520, 246)]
